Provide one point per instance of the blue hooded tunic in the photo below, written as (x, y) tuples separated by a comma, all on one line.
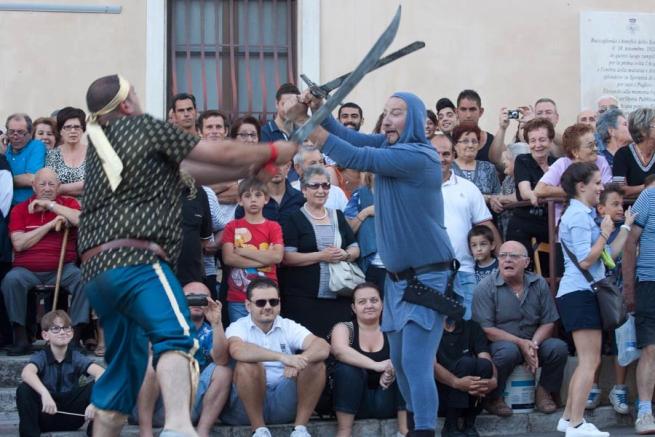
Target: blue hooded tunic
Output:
[(409, 204)]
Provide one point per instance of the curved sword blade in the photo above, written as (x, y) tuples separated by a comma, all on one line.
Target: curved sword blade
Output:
[(371, 58)]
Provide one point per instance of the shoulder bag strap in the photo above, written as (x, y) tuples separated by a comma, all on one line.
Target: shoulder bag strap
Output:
[(574, 258), (337, 234)]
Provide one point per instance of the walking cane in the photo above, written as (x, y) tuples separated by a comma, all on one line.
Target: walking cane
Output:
[(60, 267)]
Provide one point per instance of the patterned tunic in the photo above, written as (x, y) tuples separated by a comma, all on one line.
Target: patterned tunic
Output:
[(146, 205), (67, 175)]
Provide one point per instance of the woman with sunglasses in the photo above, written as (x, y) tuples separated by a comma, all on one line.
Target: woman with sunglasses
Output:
[(69, 159), (309, 236), (364, 379)]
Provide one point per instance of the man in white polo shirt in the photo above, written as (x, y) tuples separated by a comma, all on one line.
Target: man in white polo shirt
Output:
[(464, 207), (272, 383)]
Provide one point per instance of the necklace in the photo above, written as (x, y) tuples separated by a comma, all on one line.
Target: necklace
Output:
[(313, 216)]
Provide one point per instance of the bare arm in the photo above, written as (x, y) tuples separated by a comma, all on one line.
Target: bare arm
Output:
[(498, 147), (495, 334), (629, 265), (231, 258), (543, 332), (544, 190), (362, 215), (633, 190), (250, 352), (527, 193), (268, 257), (95, 370), (343, 352), (315, 349), (71, 214), (24, 240), (23, 180)]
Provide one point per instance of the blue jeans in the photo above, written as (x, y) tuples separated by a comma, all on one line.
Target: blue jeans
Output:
[(352, 394), (464, 285), (236, 310), (137, 304)]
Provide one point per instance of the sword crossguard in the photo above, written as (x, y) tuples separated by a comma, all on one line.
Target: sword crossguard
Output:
[(316, 90)]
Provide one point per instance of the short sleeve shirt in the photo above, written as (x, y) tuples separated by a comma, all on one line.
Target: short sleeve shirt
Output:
[(644, 207), (286, 336), (60, 377), (579, 231), (147, 203), (628, 165), (496, 306), (257, 236), (205, 337), (464, 207), (467, 340), (27, 160)]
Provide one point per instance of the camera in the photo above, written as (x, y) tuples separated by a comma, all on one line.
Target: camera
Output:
[(513, 114), (196, 300)]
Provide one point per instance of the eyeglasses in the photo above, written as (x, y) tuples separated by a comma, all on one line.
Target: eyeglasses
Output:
[(261, 303), (511, 255), (18, 133), (468, 142), (325, 185), (247, 136), (57, 329), (72, 127)]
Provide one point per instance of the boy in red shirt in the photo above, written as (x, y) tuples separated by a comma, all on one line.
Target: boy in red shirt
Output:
[(252, 246)]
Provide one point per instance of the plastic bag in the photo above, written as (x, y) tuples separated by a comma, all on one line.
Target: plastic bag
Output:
[(626, 342)]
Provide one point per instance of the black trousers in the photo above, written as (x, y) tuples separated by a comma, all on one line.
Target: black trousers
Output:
[(33, 422), (452, 398)]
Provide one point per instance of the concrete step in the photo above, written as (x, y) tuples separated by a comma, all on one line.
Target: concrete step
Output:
[(518, 424), (11, 367)]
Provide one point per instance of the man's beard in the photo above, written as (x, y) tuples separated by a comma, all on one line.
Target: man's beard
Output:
[(197, 317), (353, 126)]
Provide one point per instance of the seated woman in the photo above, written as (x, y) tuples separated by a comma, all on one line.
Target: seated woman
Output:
[(508, 187), (464, 373), (364, 378), (309, 237), (466, 139)]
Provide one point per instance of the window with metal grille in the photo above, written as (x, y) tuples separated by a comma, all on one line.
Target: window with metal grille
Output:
[(232, 54)]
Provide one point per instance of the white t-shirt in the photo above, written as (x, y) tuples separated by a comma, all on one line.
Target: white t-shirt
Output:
[(464, 207), (336, 198), (286, 336)]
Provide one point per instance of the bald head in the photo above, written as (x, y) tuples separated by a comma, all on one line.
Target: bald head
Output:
[(196, 288), (512, 261), (46, 184)]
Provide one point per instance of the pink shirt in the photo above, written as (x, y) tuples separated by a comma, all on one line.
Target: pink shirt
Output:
[(554, 175)]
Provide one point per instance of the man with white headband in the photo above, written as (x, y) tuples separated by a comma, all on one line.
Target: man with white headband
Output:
[(129, 238)]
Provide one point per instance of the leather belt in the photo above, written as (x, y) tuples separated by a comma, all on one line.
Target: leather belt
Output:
[(411, 272), (125, 242)]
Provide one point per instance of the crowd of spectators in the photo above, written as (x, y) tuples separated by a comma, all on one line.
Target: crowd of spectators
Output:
[(257, 259)]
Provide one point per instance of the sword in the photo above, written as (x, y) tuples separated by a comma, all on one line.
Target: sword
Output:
[(369, 61), (322, 91)]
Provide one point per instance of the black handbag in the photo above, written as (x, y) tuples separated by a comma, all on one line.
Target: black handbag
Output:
[(447, 303), (613, 311)]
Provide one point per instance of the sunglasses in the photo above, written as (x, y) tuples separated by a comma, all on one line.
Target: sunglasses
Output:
[(261, 303), (317, 185)]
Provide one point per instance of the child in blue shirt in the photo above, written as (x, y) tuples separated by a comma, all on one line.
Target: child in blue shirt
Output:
[(482, 247)]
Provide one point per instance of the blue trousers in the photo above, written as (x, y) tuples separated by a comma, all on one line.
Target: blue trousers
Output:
[(137, 304), (413, 351)]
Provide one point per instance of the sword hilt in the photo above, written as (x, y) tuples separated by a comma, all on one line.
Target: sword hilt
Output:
[(316, 90)]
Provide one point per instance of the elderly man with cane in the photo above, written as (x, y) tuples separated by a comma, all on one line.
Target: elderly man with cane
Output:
[(42, 257)]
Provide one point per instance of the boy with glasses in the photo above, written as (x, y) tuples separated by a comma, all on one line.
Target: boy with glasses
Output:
[(273, 382), (50, 397)]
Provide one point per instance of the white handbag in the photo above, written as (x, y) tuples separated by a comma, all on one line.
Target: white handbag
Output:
[(344, 275)]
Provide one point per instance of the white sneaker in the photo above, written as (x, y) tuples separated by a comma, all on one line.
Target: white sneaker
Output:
[(619, 399), (562, 424), (585, 430), (645, 424), (300, 431), (594, 398), (262, 431)]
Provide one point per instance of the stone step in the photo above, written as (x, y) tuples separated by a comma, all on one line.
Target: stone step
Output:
[(518, 424), (11, 367)]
